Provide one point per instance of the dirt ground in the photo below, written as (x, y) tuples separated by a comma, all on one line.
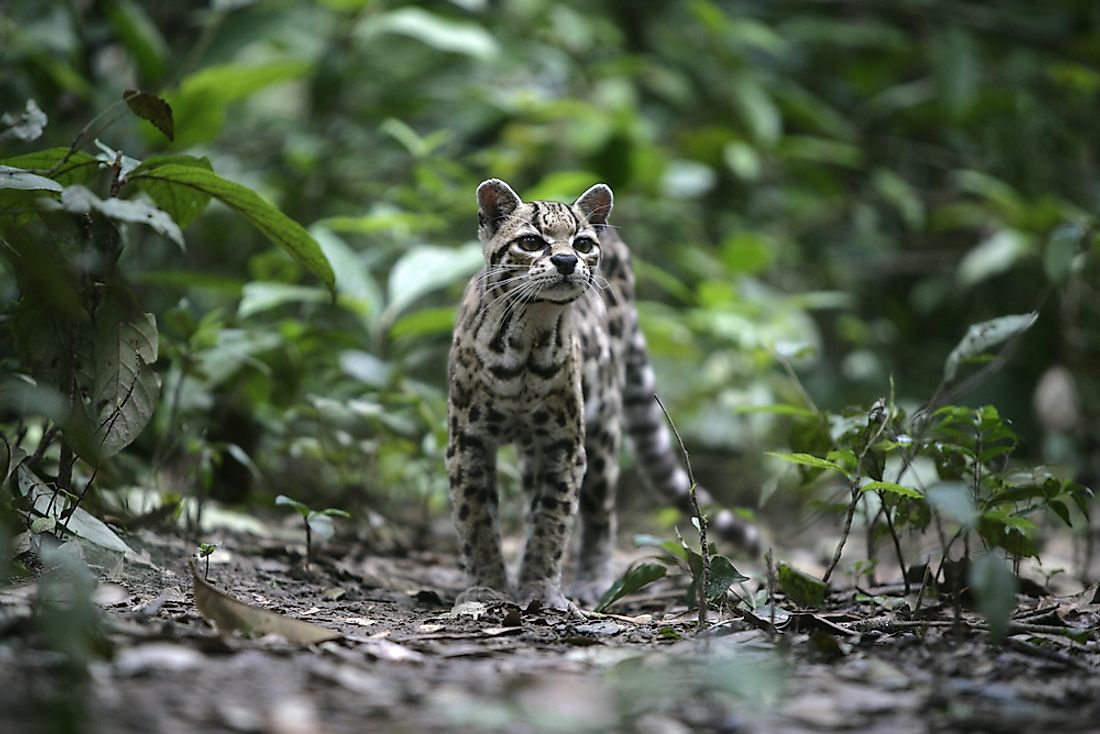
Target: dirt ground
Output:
[(404, 661)]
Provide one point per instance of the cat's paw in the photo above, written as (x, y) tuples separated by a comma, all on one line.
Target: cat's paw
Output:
[(483, 594), (548, 595)]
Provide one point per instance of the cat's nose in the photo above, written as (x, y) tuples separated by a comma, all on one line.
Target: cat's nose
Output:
[(564, 262)]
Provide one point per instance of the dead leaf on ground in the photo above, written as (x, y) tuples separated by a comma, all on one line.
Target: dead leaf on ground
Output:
[(230, 615)]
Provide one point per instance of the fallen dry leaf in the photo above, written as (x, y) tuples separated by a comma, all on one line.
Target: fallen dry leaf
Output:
[(230, 615)]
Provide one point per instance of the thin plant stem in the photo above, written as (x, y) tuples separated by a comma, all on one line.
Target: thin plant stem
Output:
[(703, 586)]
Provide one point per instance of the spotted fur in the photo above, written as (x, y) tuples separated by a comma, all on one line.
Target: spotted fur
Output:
[(547, 354)]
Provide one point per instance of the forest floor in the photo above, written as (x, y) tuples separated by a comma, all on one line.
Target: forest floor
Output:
[(402, 660)]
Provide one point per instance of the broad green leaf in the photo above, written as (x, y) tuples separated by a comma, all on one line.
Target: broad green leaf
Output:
[(358, 290), (259, 297), (993, 256), (994, 587), (433, 30), (26, 126), (723, 575), (79, 167), (893, 488), (426, 268), (425, 322), (804, 589), (17, 178), (276, 226), (366, 368), (201, 103), (808, 460), (182, 203), (561, 186), (980, 337), (152, 108), (636, 577), (126, 388)]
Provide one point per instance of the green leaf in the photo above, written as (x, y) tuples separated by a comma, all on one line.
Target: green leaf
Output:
[(804, 589), (808, 460), (892, 487), (426, 268), (982, 336), (993, 256), (636, 577), (259, 297), (79, 167), (126, 389), (183, 204), (203, 99), (302, 508), (425, 322), (723, 575), (994, 587), (152, 108), (276, 226), (433, 30), (333, 512), (17, 178)]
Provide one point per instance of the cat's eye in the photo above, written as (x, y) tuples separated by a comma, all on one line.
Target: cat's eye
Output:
[(584, 244), (531, 243)]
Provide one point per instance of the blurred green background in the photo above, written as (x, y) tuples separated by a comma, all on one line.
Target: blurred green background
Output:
[(842, 185)]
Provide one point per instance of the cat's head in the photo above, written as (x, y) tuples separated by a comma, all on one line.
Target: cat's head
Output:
[(540, 250)]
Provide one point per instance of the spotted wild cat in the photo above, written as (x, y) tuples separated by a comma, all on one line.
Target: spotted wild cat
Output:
[(547, 354)]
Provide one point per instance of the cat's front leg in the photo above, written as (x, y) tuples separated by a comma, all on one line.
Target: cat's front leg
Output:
[(553, 508), (471, 466)]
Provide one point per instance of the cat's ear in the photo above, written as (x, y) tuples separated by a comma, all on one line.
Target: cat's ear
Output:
[(596, 204), (495, 201)]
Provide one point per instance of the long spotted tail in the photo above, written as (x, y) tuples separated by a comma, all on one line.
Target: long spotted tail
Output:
[(659, 458)]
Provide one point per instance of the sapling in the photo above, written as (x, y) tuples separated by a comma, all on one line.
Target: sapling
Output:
[(319, 521), (205, 551)]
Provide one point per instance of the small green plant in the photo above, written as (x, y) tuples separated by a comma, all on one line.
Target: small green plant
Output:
[(947, 467), (205, 551), (317, 522), (712, 574)]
